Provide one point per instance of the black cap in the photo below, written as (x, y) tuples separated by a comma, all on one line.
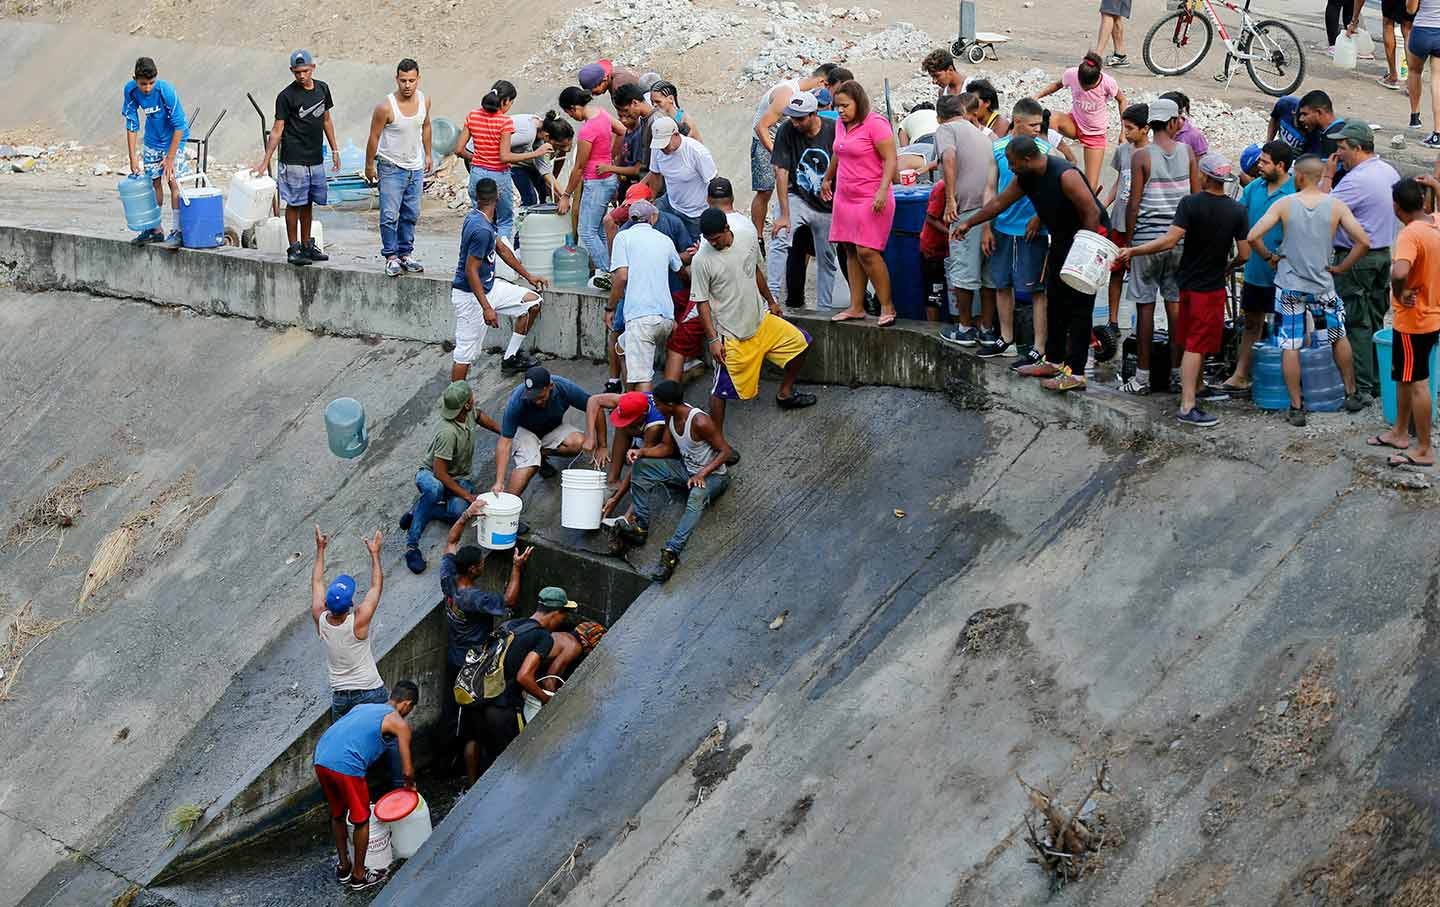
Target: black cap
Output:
[(720, 188), (713, 221), (537, 378), (669, 391)]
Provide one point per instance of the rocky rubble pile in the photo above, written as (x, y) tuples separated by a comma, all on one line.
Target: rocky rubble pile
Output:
[(605, 29), (788, 51)]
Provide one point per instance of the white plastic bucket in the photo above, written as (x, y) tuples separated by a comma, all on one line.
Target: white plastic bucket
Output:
[(1087, 267), (531, 706), (410, 828), (500, 523), (582, 498), (379, 855), (271, 236)]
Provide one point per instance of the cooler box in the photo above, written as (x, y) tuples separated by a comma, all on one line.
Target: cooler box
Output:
[(902, 252), (202, 217)]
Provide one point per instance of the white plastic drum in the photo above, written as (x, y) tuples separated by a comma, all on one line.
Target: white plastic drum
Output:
[(1087, 267), (406, 818), (500, 523), (582, 498), (542, 231)]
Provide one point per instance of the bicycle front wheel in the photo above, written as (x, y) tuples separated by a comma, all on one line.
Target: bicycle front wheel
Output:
[(1278, 66), (1177, 43)]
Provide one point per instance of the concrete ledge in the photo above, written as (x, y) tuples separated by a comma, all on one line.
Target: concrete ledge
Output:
[(327, 297)]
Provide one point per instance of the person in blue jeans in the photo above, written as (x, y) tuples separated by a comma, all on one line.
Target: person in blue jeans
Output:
[(398, 157), (445, 490), (691, 455), (162, 157)]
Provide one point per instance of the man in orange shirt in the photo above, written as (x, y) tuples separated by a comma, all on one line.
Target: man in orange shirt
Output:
[(1415, 302)]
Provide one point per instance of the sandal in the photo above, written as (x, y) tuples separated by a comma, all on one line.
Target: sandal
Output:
[(885, 321), (848, 316), (1405, 459), (1377, 441)]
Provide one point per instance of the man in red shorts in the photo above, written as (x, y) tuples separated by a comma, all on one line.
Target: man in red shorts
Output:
[(1209, 222), (342, 757)]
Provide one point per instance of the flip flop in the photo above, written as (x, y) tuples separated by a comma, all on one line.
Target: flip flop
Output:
[(848, 316), (885, 321), (1377, 441), (1405, 460)]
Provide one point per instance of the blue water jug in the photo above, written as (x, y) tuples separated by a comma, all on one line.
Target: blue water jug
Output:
[(202, 218), (572, 265), (1321, 388), (345, 427), (1268, 391), (142, 212)]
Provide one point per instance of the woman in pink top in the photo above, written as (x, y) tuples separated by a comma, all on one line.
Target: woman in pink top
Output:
[(593, 147), (1091, 91), (858, 186)]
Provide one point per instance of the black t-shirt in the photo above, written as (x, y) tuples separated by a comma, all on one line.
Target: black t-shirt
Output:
[(1212, 224), (303, 113), (469, 613), (529, 637), (806, 157)]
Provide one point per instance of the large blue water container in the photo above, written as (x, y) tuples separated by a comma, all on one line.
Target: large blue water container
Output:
[(202, 217), (345, 427), (1268, 391), (1321, 388), (142, 212), (902, 252), (1384, 351), (571, 264)]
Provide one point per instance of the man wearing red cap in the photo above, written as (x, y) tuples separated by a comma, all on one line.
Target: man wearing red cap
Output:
[(637, 423)]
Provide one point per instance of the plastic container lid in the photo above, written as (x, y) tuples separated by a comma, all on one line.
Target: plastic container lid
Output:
[(547, 208), (201, 192), (396, 805)]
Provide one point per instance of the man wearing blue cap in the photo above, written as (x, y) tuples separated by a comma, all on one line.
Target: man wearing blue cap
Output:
[(302, 118)]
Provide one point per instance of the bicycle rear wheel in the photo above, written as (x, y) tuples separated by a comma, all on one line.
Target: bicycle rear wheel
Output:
[(1281, 67), (1177, 43)]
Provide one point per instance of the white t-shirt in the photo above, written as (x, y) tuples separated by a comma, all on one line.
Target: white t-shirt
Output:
[(526, 125), (726, 280), (920, 123), (687, 171)]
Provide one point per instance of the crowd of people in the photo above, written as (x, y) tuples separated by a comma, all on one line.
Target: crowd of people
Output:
[(1329, 237)]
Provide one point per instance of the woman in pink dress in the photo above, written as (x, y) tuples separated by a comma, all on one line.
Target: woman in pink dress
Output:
[(858, 185)]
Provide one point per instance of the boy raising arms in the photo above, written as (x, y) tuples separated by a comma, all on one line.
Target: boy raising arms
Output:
[(161, 158)]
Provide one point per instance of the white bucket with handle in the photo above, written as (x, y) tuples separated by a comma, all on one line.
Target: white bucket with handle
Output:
[(1087, 267), (532, 706), (582, 498), (500, 522), (379, 854)]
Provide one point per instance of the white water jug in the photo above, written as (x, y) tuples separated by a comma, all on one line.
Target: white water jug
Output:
[(1345, 54)]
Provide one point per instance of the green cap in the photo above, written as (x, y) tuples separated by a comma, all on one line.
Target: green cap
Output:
[(1352, 130), (454, 399), (553, 598)]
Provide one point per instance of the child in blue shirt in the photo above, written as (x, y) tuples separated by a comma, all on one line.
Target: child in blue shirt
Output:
[(162, 157)]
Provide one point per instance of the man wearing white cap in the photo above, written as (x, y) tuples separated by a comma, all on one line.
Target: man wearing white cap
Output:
[(682, 167), (804, 144), (640, 265)]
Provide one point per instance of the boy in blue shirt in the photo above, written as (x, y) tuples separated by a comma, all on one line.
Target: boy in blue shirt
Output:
[(162, 157)]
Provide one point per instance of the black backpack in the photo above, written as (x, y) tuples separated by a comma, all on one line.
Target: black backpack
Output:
[(482, 678)]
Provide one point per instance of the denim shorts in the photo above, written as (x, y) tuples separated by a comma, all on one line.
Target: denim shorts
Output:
[(762, 173), (1017, 262), (302, 185), (1424, 42)]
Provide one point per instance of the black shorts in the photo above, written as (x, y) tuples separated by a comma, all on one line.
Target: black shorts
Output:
[(1410, 359), (1254, 298), (1394, 10), (932, 271)]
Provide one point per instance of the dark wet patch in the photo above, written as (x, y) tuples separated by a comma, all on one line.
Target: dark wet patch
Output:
[(1383, 858), (795, 815), (715, 766), (758, 864), (715, 894)]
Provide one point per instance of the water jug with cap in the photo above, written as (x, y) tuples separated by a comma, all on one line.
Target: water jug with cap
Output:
[(444, 136), (571, 264), (142, 212), (1321, 388), (202, 217), (542, 230), (1345, 53), (345, 427), (1268, 390)]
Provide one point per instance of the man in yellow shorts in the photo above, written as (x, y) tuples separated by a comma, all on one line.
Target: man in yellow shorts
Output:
[(742, 329)]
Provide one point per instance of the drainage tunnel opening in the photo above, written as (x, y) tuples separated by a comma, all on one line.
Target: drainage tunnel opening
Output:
[(273, 843)]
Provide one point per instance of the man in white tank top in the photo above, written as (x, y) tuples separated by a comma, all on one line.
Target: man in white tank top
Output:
[(400, 139), (694, 438)]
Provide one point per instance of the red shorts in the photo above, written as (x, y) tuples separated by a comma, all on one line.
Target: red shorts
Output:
[(1092, 139), (1200, 322), (345, 792), (688, 338)]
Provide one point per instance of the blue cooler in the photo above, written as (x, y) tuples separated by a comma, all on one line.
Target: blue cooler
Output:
[(202, 217), (902, 252)]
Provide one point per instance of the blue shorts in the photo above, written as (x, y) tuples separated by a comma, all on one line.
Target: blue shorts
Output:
[(617, 321), (152, 160), (762, 173), (1326, 311), (1424, 42), (302, 185), (1017, 262)]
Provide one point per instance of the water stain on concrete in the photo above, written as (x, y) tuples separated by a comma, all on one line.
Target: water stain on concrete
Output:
[(712, 768)]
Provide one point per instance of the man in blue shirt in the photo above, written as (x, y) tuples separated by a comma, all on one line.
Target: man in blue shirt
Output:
[(533, 427), (1258, 297), (162, 154), (640, 264), (480, 298)]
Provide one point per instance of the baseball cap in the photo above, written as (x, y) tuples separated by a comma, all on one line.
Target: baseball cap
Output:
[(1250, 157), (537, 378), (631, 407), (553, 598), (639, 191), (1353, 131), (1163, 110), (640, 209), (661, 131), (802, 105), (456, 395), (1217, 166), (591, 74), (301, 58), (823, 97), (341, 594), (720, 187), (712, 221)]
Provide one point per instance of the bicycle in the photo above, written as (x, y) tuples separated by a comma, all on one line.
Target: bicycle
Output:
[(1269, 48)]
